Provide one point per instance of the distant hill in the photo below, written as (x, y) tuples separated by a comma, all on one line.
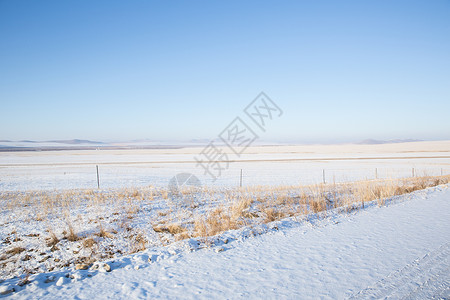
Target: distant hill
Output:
[(75, 142), (394, 141)]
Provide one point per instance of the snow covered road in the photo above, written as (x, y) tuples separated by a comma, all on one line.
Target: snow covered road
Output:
[(400, 250)]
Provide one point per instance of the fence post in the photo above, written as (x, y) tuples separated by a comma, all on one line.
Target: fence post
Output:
[(441, 171), (376, 173), (413, 172), (240, 180), (98, 178), (323, 175)]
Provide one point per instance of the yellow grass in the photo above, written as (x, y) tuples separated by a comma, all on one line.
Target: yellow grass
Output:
[(202, 212)]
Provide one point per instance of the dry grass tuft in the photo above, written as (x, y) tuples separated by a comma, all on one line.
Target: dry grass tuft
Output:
[(89, 243), (318, 205), (15, 250), (138, 243), (103, 233), (175, 229), (52, 240), (172, 229), (219, 220), (71, 235)]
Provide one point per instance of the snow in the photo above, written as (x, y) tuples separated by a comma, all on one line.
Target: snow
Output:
[(418, 280), (275, 165), (399, 249), (60, 281)]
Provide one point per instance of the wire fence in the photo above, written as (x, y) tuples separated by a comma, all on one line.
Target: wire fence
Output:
[(238, 174), (322, 175)]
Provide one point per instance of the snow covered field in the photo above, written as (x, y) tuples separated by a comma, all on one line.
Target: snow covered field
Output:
[(263, 165), (400, 249), (285, 234)]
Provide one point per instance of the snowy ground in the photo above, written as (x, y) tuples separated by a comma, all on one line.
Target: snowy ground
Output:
[(269, 165), (399, 250)]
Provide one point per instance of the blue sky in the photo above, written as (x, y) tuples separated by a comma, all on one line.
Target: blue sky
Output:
[(340, 70)]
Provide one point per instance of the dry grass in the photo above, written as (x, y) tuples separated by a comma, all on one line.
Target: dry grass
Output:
[(178, 231), (70, 234), (25, 278), (52, 240), (103, 233), (272, 214), (15, 250), (275, 203), (318, 205), (173, 228), (138, 243), (219, 220), (201, 213), (89, 242)]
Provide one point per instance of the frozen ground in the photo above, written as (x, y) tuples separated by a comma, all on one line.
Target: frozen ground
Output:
[(269, 165), (399, 250)]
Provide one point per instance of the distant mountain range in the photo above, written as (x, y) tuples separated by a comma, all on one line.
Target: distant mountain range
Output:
[(376, 142), (78, 144), (75, 142), (69, 142)]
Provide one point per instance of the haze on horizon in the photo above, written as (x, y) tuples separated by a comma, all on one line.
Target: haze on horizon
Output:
[(111, 70)]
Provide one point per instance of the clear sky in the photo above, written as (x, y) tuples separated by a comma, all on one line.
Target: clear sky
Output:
[(167, 70)]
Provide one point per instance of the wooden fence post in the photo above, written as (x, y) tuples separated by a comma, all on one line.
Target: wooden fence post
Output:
[(240, 180), (98, 178)]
